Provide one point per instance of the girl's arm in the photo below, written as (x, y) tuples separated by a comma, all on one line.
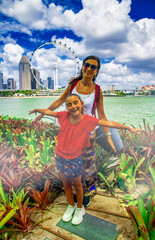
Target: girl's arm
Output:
[(44, 112), (56, 103), (113, 124)]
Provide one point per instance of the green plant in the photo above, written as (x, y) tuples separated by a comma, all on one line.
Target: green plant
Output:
[(1, 136), (150, 181), (23, 220), (47, 146), (32, 155), (127, 176), (145, 138), (19, 139), (103, 162), (143, 152), (9, 136), (31, 140), (12, 200), (8, 217), (143, 219)]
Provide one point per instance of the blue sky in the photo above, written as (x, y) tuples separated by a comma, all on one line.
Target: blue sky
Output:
[(120, 32)]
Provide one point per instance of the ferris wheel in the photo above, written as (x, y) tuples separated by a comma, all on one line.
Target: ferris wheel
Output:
[(54, 44)]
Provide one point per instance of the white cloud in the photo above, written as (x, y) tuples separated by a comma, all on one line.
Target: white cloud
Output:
[(141, 42), (122, 77), (106, 30), (11, 56), (7, 26), (27, 12), (7, 39)]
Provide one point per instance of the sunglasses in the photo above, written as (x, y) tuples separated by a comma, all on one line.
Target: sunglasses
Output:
[(87, 65)]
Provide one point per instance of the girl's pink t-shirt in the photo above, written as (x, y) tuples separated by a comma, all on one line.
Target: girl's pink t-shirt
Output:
[(72, 138)]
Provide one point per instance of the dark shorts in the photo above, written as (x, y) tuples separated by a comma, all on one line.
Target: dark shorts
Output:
[(70, 167)]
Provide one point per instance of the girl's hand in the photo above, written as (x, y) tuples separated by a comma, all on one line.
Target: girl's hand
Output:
[(136, 130), (33, 111)]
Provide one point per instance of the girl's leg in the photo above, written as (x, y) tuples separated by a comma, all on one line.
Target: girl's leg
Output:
[(79, 190), (80, 211), (69, 194), (67, 182)]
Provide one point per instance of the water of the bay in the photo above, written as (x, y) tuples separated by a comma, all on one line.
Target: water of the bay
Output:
[(128, 110)]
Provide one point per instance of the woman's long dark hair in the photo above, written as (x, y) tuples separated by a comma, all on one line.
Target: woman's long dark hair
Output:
[(80, 76)]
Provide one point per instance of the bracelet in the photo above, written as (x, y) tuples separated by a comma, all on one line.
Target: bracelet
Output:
[(108, 134)]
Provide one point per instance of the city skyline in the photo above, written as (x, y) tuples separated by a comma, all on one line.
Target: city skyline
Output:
[(29, 78), (120, 32)]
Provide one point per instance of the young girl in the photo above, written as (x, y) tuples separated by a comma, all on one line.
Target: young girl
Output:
[(72, 138)]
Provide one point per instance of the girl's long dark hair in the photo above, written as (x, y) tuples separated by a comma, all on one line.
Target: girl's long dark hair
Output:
[(80, 76)]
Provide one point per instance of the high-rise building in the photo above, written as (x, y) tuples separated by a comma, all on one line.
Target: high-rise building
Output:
[(45, 83), (5, 86), (1, 80), (41, 81), (24, 74), (35, 76), (50, 83), (11, 83)]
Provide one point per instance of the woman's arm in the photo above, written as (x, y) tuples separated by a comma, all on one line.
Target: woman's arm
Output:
[(60, 100), (56, 103), (101, 115), (117, 125), (44, 112)]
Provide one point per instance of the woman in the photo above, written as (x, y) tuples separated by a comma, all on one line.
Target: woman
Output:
[(91, 94)]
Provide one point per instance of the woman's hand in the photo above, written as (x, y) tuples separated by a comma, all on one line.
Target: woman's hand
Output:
[(111, 143)]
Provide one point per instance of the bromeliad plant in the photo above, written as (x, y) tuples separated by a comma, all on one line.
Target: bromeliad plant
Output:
[(9, 206), (12, 200), (145, 138), (142, 145), (142, 209), (106, 168), (46, 197), (30, 162), (150, 181), (48, 145), (127, 176), (22, 220), (12, 179), (143, 219), (143, 153), (37, 178)]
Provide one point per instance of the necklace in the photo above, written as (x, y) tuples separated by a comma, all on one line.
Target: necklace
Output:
[(86, 85)]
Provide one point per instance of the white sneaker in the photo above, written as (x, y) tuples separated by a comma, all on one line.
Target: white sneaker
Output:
[(69, 213), (78, 216)]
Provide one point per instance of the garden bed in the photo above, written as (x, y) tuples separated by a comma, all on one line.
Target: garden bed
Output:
[(30, 188)]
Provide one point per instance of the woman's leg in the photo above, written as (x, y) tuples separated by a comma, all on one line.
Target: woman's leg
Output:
[(79, 190), (67, 182), (89, 177)]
